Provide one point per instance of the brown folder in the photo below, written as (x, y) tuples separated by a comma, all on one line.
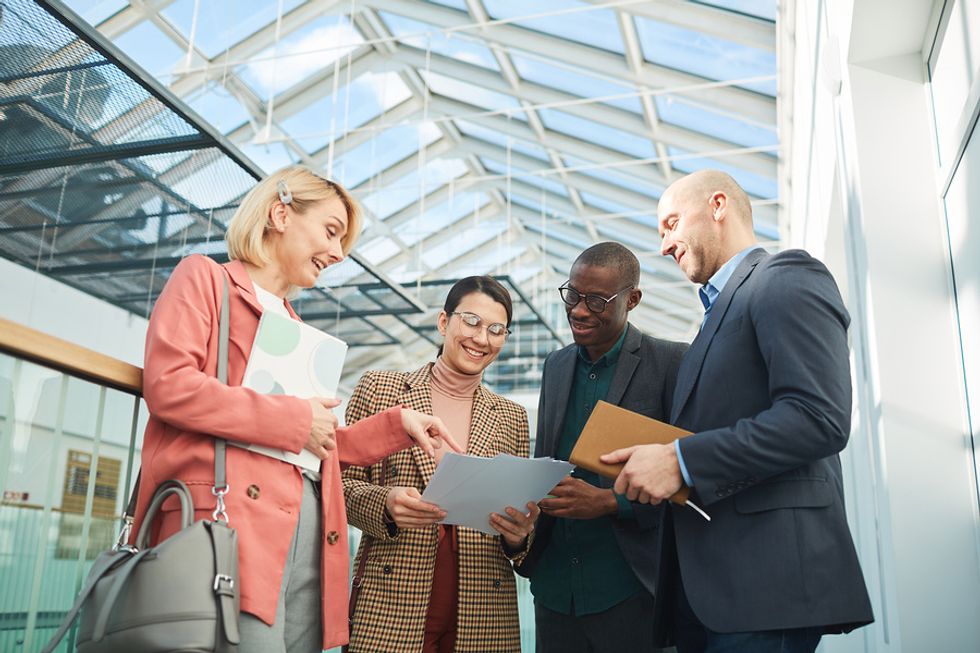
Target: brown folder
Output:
[(611, 427)]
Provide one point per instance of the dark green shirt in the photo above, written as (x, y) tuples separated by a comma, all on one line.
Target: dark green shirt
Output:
[(582, 570)]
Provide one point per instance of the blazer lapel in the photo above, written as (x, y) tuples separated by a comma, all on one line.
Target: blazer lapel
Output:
[(625, 366), (561, 373), (690, 367), (418, 396), (240, 279), (483, 423)]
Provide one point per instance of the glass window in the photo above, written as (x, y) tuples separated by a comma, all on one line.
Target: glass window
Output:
[(455, 4), (952, 71), (333, 115), (150, 48), (503, 140), (758, 8), (677, 111), (395, 196), (465, 241), (568, 19), (440, 216), (269, 156), (223, 23), (218, 106), (615, 176), (298, 55), (706, 56), (547, 183), (96, 11), (454, 45), (576, 81), (358, 165), (756, 185), (599, 134), (472, 94)]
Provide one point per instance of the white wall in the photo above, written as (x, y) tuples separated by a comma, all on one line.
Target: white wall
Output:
[(54, 308), (865, 196)]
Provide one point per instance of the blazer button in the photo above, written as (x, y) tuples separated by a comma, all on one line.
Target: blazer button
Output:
[(253, 491), (386, 569), (496, 583), (393, 471), (332, 537)]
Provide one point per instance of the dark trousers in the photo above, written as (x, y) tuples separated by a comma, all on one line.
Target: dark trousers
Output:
[(627, 626), (694, 637)]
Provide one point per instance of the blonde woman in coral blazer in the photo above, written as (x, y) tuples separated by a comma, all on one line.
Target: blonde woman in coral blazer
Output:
[(287, 230), (425, 587)]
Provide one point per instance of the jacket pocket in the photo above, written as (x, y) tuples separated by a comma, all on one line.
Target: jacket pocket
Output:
[(812, 492)]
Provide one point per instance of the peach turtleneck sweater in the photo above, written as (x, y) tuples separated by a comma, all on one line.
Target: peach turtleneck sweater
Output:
[(452, 401)]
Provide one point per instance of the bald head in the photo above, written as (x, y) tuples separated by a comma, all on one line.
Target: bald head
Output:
[(701, 185), (705, 218)]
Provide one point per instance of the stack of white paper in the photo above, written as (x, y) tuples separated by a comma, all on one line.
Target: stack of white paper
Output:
[(292, 358), (469, 488)]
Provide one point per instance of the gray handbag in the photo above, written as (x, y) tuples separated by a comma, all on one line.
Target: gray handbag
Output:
[(180, 595)]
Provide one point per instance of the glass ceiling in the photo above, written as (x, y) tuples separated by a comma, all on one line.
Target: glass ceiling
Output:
[(483, 136)]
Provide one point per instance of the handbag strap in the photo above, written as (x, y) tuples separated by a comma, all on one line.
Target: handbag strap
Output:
[(103, 563), (224, 578), (355, 587)]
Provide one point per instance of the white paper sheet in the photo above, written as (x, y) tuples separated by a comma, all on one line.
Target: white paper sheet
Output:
[(469, 488), (292, 358)]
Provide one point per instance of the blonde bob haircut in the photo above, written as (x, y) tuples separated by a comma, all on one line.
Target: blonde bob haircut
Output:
[(247, 228)]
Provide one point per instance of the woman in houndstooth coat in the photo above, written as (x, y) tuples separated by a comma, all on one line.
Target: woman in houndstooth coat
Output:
[(425, 587)]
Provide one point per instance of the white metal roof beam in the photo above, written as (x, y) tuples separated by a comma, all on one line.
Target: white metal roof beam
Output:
[(755, 106)]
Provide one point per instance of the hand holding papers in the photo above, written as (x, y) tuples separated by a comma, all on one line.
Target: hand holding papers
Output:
[(469, 488), (292, 358), (610, 428)]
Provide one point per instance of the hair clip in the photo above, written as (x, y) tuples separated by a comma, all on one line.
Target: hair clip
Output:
[(285, 196)]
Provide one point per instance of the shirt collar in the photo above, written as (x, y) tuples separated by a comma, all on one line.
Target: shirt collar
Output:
[(716, 284), (609, 358)]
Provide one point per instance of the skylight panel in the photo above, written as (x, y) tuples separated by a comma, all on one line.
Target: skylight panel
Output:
[(502, 140), (593, 132), (757, 185), (379, 250), (612, 176), (464, 242), (215, 184), (95, 11), (454, 4), (496, 257), (268, 156), (700, 119), (300, 54), (429, 37), (218, 106), (439, 217), (333, 115), (150, 48), (576, 82), (567, 19), (548, 184), (223, 23), (605, 204), (384, 150), (706, 56), (395, 196), (759, 8), (472, 94)]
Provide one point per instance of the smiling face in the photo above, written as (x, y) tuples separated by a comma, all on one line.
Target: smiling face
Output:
[(465, 353), (306, 243), (598, 332)]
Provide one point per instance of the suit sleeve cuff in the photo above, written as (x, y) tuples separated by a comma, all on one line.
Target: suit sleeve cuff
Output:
[(680, 461)]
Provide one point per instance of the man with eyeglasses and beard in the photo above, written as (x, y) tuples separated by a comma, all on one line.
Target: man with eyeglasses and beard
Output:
[(595, 562)]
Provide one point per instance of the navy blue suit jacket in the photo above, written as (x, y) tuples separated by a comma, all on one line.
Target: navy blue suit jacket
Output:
[(766, 388)]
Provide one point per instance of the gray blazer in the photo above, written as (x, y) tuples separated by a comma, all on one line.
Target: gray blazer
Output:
[(642, 382), (766, 388)]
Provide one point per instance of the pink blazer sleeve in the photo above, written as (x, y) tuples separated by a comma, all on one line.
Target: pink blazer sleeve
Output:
[(178, 378)]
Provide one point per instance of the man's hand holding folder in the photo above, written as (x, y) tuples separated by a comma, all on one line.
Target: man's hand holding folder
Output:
[(611, 435)]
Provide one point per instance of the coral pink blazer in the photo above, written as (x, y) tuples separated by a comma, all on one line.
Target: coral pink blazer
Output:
[(188, 405)]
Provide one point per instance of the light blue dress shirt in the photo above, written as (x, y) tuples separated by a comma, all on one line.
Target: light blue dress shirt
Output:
[(709, 293)]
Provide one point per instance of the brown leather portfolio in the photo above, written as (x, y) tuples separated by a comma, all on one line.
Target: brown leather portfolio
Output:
[(611, 427)]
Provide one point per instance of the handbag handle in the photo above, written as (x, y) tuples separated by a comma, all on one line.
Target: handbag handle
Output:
[(166, 489)]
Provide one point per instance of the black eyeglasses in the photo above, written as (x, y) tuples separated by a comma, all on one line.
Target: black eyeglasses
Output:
[(594, 303), (472, 323)]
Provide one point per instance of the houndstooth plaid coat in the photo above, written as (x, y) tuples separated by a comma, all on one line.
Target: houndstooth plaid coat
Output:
[(394, 595)]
